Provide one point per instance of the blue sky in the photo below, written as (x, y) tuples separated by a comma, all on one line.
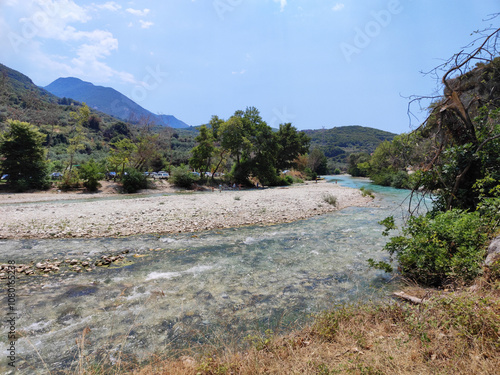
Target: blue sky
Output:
[(315, 63)]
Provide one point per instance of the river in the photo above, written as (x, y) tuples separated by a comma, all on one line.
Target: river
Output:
[(177, 292)]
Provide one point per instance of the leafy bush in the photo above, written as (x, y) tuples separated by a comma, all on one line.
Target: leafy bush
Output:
[(383, 179), (182, 177), (310, 174), (70, 180), (330, 199), (435, 250), (91, 173), (134, 181), (281, 181), (366, 192), (400, 180)]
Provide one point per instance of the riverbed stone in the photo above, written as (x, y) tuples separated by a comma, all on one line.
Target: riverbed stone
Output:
[(493, 252)]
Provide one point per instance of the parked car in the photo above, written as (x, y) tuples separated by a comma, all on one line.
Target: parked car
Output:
[(56, 175), (161, 175), (111, 175)]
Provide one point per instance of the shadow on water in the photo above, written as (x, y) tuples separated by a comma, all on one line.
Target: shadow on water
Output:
[(179, 291)]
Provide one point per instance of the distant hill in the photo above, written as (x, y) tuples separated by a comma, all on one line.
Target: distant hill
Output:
[(22, 85), (109, 101), (337, 143)]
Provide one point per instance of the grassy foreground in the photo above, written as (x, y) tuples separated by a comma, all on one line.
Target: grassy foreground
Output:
[(450, 332)]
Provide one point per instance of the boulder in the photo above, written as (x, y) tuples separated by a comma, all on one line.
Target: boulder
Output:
[(493, 252)]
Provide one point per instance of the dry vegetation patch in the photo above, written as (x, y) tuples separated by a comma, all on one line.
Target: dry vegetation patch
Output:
[(449, 333)]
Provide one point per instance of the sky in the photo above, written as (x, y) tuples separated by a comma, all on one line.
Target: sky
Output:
[(314, 63)]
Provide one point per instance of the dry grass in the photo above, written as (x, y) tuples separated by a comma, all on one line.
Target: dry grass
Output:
[(450, 333)]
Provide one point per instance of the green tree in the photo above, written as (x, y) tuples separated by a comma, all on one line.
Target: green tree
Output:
[(215, 123), (24, 156), (234, 138), (76, 143), (121, 153), (202, 153), (317, 161), (358, 164), (291, 144)]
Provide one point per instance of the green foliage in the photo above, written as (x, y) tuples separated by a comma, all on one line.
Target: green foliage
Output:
[(203, 151), (133, 181), (291, 143), (262, 342), (435, 250), (24, 157), (289, 180), (358, 165), (257, 151), (330, 199), (381, 265), (182, 177), (317, 162), (121, 153), (367, 192), (339, 142), (91, 173), (398, 180), (70, 180)]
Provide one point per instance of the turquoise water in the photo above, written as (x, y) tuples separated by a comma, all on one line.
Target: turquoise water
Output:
[(180, 291)]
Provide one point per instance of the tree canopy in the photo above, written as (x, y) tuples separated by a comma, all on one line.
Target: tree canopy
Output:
[(21, 147), (256, 150)]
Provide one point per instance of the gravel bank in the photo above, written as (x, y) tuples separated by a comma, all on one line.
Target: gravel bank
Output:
[(52, 215)]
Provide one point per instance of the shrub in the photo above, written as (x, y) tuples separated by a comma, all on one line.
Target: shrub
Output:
[(134, 181), (330, 199), (400, 180), (367, 192), (91, 173), (182, 177), (280, 181), (70, 180), (435, 250)]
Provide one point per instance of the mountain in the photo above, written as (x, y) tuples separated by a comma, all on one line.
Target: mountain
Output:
[(21, 85), (109, 101), (337, 143)]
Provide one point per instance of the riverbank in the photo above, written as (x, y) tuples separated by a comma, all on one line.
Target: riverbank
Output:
[(448, 333), (108, 214)]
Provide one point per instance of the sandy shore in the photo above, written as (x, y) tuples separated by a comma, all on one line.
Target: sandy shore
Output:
[(108, 214)]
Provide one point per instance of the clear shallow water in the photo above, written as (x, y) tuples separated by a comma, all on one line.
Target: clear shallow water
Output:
[(178, 291)]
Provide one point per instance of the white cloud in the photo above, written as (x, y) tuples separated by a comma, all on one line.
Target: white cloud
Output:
[(110, 5), (338, 7), (282, 4), (243, 71), (146, 24), (54, 25), (138, 12)]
